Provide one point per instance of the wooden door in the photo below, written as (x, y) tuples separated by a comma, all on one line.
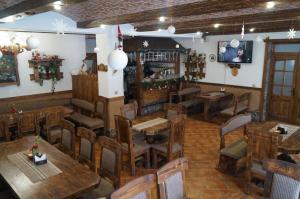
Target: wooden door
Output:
[(282, 101)]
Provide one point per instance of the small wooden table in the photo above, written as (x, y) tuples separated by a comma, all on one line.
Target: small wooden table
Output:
[(289, 145), (210, 97), (74, 179), (151, 128)]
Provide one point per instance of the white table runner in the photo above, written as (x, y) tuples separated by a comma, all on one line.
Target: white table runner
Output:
[(290, 130)]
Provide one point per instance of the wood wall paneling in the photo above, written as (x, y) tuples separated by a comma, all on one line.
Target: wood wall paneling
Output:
[(85, 87)]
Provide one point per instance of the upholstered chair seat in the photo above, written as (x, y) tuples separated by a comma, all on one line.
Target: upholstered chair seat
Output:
[(239, 108), (104, 189), (236, 150), (89, 122), (258, 169), (164, 147), (138, 148)]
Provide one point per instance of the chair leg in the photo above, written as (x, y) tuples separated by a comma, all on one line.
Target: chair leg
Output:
[(132, 166), (154, 159), (147, 159)]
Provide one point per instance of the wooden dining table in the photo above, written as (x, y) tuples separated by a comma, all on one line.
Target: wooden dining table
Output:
[(73, 180), (212, 97), (289, 144)]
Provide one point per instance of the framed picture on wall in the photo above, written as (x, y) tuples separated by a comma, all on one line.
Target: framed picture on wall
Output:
[(9, 69)]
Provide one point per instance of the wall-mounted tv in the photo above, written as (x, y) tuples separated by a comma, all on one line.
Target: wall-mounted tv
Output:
[(241, 54)]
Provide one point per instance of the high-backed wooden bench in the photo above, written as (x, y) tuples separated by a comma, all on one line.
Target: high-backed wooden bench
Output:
[(185, 97)]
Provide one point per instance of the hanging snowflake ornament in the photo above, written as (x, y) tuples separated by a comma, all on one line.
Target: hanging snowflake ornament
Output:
[(146, 43), (59, 26), (292, 33)]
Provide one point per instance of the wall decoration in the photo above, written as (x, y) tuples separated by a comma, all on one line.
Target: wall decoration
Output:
[(46, 68), (146, 44), (9, 69), (291, 33), (212, 57), (195, 66)]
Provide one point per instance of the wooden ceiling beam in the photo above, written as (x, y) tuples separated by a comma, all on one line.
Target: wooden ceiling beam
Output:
[(267, 17), (202, 7), (33, 6)]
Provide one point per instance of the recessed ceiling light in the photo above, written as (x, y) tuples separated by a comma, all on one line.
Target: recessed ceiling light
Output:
[(270, 4), (102, 26), (57, 7), (217, 25), (162, 19), (198, 33), (159, 30), (252, 29)]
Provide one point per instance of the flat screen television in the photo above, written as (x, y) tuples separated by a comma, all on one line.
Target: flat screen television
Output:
[(241, 54)]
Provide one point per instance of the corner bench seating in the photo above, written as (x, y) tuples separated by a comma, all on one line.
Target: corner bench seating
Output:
[(88, 114), (187, 93)]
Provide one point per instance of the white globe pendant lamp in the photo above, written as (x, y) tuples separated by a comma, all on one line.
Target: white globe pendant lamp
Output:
[(234, 43), (32, 42), (171, 29), (117, 59)]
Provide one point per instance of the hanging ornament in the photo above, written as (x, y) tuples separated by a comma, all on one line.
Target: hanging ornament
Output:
[(96, 50), (234, 43), (177, 46), (291, 33), (118, 59), (146, 43), (171, 29), (32, 42), (222, 49), (243, 31), (1, 54)]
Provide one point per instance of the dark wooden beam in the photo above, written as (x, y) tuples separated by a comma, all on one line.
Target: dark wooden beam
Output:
[(203, 7), (283, 15), (33, 6)]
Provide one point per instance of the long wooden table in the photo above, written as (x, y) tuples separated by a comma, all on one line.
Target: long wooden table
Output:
[(74, 179), (210, 97), (289, 145)]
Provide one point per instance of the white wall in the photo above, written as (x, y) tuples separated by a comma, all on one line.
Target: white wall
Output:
[(250, 75), (69, 47)]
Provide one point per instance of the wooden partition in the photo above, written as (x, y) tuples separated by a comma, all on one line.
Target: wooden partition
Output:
[(85, 87)]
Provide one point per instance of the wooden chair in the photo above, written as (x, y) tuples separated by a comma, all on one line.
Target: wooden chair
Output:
[(53, 125), (4, 131), (231, 154), (129, 110), (110, 168), (101, 114), (141, 188), (240, 104), (283, 180), (129, 148), (27, 123), (175, 145), (87, 146), (172, 110), (68, 138), (171, 179), (261, 145)]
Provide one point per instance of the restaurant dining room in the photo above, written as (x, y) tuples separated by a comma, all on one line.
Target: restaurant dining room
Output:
[(149, 99)]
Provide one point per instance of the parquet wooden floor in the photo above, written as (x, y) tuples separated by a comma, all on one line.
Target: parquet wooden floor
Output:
[(201, 148)]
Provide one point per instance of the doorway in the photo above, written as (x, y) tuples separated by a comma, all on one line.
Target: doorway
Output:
[(284, 83)]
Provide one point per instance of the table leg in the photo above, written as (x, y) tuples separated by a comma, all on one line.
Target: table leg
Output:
[(206, 109)]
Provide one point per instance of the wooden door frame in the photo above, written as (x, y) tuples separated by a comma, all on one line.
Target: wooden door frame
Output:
[(268, 59)]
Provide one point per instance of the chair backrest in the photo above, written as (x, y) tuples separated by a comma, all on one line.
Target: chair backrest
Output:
[(262, 145), (100, 109), (130, 110), (54, 117), (83, 106), (176, 138), (234, 123), (283, 180), (110, 160), (87, 146), (243, 99), (27, 122), (139, 188), (68, 135), (4, 131), (171, 179), (172, 110)]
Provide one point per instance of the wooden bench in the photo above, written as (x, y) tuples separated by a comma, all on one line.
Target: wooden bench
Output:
[(186, 97)]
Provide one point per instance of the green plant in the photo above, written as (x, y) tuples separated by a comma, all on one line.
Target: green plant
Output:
[(51, 71)]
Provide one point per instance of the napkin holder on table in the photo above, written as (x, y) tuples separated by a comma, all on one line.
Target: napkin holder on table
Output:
[(40, 159)]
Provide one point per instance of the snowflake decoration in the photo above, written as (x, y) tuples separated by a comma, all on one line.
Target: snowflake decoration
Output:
[(60, 26), (146, 43), (132, 33), (292, 33)]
